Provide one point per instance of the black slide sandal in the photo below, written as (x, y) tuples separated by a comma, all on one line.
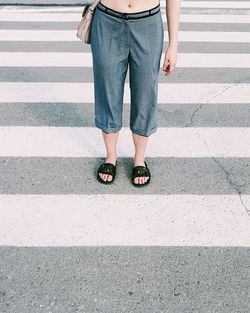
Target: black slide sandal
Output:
[(139, 171), (106, 168)]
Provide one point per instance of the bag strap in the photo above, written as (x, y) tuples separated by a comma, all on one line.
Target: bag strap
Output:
[(92, 7)]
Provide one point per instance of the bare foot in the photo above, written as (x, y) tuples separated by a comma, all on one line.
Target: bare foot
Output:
[(141, 179), (109, 159)]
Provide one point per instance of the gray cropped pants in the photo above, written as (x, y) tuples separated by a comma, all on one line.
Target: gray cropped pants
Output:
[(118, 41)]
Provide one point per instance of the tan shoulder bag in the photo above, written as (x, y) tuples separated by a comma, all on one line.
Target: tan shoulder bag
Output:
[(84, 27)]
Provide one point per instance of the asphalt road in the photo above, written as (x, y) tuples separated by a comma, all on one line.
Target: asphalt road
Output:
[(69, 244)]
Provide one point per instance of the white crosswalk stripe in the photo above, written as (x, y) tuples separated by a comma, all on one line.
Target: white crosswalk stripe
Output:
[(213, 4), (11, 15), (29, 59), (83, 92), (78, 142), (70, 35), (165, 223)]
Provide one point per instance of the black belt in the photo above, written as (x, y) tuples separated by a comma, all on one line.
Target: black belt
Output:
[(135, 15)]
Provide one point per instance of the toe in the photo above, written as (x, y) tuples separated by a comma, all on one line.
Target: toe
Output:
[(103, 176), (109, 177)]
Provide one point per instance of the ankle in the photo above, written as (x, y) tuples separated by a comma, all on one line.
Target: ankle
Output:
[(112, 158), (139, 160), (111, 155)]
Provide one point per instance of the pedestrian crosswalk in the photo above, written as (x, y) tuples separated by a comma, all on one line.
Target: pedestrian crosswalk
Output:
[(70, 244), (50, 148)]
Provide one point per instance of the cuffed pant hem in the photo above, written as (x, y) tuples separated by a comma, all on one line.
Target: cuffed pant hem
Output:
[(144, 133), (107, 130)]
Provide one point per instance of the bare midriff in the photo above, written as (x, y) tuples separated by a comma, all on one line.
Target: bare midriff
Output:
[(130, 6)]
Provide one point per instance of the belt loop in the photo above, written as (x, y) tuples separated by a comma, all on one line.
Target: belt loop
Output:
[(149, 12), (106, 9)]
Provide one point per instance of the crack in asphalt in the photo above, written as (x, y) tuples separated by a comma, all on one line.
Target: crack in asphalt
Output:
[(208, 101), (227, 174), (229, 180), (213, 97), (232, 184), (193, 114)]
